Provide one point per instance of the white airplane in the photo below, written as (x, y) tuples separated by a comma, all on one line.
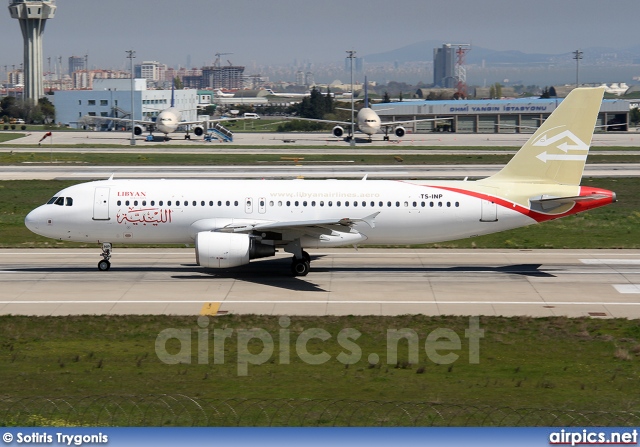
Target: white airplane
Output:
[(233, 221), (167, 121), (369, 122), (287, 95), (220, 94)]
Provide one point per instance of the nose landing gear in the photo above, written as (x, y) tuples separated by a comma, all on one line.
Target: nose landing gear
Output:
[(104, 264)]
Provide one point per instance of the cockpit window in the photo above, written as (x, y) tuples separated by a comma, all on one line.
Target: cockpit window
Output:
[(52, 200), (69, 201), (60, 201)]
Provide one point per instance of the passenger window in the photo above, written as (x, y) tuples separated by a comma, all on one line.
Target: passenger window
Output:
[(304, 203), (144, 203), (457, 204), (321, 203), (160, 203), (228, 203), (235, 203), (177, 203), (69, 201), (210, 203), (288, 203), (194, 203), (119, 202), (297, 203), (186, 203), (219, 202), (153, 203), (330, 203), (126, 203), (338, 203), (135, 203), (169, 203), (346, 203), (389, 204), (397, 204)]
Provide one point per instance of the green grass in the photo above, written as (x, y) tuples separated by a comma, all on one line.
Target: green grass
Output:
[(153, 159), (5, 136), (613, 226), (562, 363)]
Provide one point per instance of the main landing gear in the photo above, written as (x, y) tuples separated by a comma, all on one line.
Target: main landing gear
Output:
[(104, 264), (301, 267)]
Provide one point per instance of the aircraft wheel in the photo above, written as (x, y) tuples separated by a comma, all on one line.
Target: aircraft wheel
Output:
[(306, 256), (300, 267), (104, 265)]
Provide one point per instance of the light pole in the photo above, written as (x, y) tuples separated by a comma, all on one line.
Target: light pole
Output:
[(352, 141), (131, 55), (577, 55)]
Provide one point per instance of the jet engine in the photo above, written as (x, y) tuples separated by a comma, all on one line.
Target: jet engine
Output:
[(198, 131), (138, 130), (224, 250), (338, 131), (399, 131)]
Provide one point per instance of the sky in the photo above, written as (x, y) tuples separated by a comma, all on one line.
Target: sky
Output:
[(283, 31)]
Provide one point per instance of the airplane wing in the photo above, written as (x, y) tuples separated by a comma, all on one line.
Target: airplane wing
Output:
[(344, 123), (396, 123), (212, 120), (298, 224), (119, 120)]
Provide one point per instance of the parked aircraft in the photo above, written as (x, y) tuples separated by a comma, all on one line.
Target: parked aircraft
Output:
[(369, 122), (167, 121), (233, 221)]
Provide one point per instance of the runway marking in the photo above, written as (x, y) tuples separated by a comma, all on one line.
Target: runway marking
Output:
[(210, 309), (611, 261), (627, 288), (325, 302)]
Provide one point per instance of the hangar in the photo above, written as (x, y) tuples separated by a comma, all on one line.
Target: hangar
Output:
[(494, 116)]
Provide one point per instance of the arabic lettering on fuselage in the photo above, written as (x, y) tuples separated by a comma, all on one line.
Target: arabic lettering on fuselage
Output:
[(153, 216)]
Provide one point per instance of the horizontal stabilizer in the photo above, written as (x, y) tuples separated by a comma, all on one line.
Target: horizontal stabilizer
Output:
[(546, 203)]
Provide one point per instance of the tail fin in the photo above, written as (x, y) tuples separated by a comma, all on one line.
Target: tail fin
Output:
[(366, 93), (558, 150), (173, 87)]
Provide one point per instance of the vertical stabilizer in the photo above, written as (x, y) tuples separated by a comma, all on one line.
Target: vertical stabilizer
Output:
[(557, 152), (173, 88), (366, 93)]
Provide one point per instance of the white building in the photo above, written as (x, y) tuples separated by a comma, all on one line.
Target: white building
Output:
[(112, 98)]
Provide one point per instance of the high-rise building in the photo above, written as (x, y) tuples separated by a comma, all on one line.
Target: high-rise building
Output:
[(229, 77), (444, 67), (76, 63), (33, 16)]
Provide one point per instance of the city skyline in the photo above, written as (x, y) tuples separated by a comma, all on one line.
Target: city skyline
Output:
[(284, 31)]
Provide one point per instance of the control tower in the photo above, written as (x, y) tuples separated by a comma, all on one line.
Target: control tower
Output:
[(33, 16)]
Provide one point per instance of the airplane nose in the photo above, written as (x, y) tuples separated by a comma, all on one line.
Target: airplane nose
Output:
[(33, 221)]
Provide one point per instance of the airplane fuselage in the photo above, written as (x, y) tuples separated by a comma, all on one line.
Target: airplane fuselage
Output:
[(368, 121), (168, 120), (174, 211)]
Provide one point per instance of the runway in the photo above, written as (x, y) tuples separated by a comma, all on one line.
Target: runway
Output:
[(258, 171), (537, 283)]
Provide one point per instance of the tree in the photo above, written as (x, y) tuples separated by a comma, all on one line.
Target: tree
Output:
[(47, 109), (386, 98), (634, 116), (177, 82), (313, 106)]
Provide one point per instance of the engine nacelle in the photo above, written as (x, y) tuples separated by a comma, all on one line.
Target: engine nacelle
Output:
[(198, 131), (338, 131), (224, 250), (399, 131), (138, 130)]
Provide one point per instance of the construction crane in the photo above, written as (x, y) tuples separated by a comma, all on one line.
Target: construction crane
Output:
[(217, 63)]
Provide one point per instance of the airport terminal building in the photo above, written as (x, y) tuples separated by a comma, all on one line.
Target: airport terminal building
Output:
[(493, 116), (112, 98)]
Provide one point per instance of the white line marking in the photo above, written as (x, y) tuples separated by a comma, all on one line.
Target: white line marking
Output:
[(611, 261), (325, 302), (627, 288)]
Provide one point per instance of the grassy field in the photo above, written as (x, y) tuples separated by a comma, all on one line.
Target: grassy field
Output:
[(561, 363), (614, 226)]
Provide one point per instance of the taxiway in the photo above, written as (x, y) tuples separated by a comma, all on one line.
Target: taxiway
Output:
[(596, 283)]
